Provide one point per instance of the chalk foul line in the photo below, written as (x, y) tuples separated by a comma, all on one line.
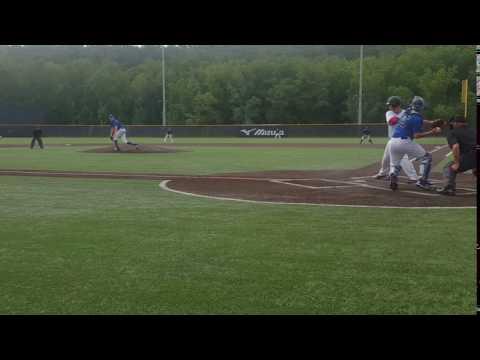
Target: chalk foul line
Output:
[(164, 185), (310, 187)]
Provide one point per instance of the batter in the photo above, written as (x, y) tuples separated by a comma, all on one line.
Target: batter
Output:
[(410, 127)]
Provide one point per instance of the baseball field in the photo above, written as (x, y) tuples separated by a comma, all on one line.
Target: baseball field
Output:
[(228, 226)]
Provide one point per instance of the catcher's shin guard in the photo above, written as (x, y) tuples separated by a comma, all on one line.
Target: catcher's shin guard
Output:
[(425, 166)]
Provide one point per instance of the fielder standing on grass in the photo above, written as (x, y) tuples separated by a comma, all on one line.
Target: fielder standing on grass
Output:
[(366, 135), (168, 135), (118, 131), (278, 134), (461, 139), (37, 137), (410, 127), (394, 113)]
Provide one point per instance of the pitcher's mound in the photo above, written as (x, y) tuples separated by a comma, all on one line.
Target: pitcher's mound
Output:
[(128, 149)]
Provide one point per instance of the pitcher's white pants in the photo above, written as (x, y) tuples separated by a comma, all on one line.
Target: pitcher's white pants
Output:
[(121, 134)]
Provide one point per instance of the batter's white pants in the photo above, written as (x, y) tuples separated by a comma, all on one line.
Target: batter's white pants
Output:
[(405, 163), (121, 134), (168, 136), (401, 147)]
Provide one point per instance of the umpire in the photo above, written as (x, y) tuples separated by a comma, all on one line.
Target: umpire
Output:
[(37, 137), (461, 140)]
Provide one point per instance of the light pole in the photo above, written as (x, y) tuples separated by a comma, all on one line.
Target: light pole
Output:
[(360, 87), (164, 117)]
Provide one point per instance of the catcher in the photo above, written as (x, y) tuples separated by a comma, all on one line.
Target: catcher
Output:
[(118, 131), (410, 127), (461, 139)]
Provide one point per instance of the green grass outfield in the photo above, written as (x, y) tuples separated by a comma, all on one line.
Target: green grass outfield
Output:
[(193, 160), (76, 246)]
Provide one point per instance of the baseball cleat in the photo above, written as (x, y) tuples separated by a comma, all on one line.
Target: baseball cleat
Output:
[(393, 182), (380, 176), (425, 185), (447, 190)]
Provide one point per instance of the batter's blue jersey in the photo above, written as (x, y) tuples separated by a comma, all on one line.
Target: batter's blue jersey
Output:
[(408, 126)]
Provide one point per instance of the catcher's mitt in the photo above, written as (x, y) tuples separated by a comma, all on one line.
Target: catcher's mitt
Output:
[(438, 123)]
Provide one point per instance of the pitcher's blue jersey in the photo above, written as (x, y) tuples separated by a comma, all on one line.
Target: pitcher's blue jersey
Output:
[(115, 123), (408, 125)]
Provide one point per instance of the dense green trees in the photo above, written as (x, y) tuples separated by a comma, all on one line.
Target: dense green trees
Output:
[(231, 84)]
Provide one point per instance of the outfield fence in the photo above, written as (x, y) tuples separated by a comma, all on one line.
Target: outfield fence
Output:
[(247, 131)]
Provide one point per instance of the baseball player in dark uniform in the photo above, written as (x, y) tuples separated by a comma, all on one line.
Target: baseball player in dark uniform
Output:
[(168, 135), (37, 137), (366, 135), (462, 140)]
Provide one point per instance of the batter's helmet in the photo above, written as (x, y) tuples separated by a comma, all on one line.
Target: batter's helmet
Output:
[(394, 101), (418, 104)]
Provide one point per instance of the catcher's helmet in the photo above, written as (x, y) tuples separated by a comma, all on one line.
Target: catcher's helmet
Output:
[(418, 104), (394, 101)]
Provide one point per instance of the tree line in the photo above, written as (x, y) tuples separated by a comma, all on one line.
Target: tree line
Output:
[(249, 84)]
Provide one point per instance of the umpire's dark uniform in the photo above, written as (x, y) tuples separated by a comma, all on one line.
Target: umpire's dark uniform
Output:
[(465, 137), (37, 137)]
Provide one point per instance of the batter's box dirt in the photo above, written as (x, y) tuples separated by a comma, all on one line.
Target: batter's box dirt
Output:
[(320, 190), (323, 188)]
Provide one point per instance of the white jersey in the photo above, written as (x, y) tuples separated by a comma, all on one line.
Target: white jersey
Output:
[(389, 115)]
